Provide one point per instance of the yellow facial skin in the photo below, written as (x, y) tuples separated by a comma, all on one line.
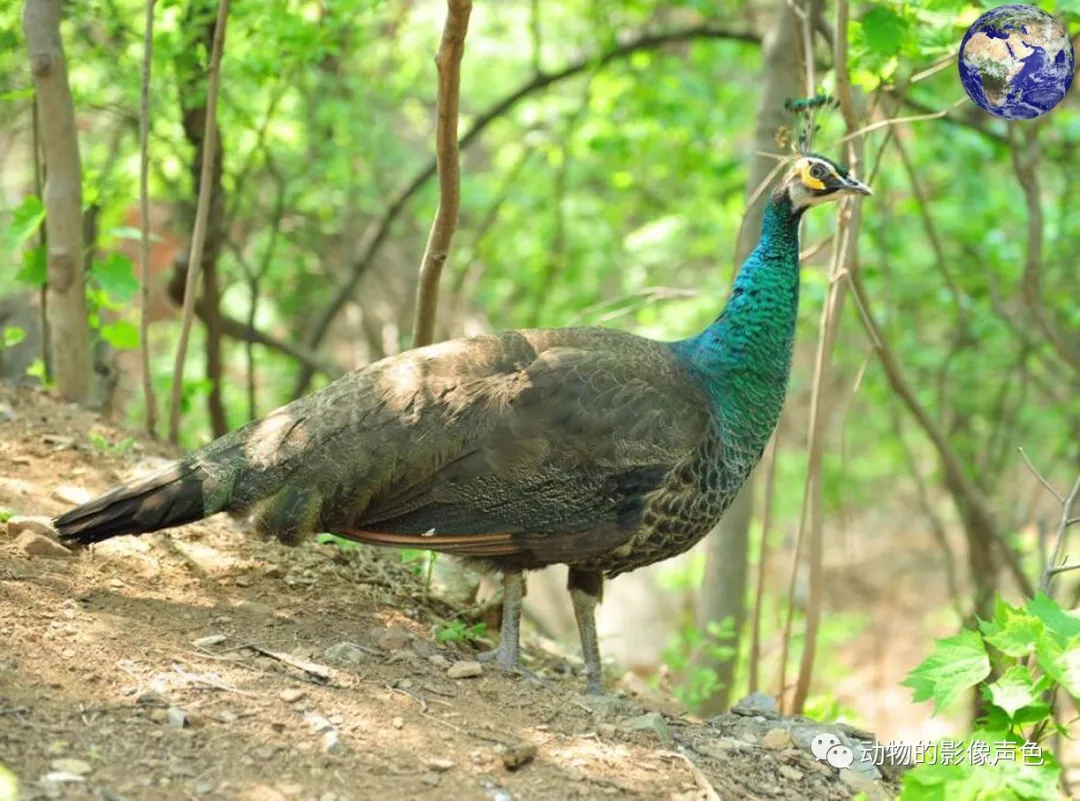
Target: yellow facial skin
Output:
[(804, 166)]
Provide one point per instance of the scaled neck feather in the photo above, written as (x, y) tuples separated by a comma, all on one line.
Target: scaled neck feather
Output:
[(743, 359)]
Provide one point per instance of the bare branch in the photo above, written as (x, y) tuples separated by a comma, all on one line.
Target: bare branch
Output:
[(437, 251), (198, 238), (1052, 566), (1025, 166), (379, 232), (149, 398), (1038, 475)]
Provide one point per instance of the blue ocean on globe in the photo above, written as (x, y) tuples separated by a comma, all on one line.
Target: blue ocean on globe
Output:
[(1016, 62)]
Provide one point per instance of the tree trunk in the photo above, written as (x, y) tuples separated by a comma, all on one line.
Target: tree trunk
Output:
[(68, 328), (726, 569)]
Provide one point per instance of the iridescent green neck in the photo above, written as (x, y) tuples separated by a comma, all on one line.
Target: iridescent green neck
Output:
[(743, 359)]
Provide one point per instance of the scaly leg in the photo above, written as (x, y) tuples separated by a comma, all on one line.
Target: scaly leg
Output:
[(586, 591), (509, 651)]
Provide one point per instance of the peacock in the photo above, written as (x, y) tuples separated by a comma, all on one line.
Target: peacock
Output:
[(590, 447)]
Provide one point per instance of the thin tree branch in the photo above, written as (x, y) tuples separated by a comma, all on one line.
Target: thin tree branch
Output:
[(198, 238), (149, 399), (381, 228), (1025, 166), (1053, 565), (443, 226), (769, 467)]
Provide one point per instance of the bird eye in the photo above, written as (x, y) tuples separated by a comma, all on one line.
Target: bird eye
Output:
[(819, 172)]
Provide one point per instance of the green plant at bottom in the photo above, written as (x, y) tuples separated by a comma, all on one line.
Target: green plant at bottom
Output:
[(1036, 650)]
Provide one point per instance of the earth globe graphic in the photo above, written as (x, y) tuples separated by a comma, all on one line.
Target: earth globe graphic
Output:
[(1016, 62)]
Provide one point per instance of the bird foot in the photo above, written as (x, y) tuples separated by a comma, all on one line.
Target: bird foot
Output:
[(510, 662)]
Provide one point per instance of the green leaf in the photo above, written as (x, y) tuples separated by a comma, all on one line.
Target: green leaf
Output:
[(1066, 624), (884, 31), (122, 335), (25, 221), (1012, 631), (12, 336), (1014, 691), (116, 277), (956, 664), (9, 785), (17, 94), (1061, 663), (34, 270)]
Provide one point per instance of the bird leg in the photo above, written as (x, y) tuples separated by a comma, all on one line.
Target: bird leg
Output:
[(509, 651), (586, 591)]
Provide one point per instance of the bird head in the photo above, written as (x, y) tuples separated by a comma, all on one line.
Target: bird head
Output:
[(814, 179)]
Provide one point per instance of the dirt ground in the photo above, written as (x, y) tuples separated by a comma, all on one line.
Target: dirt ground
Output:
[(204, 663)]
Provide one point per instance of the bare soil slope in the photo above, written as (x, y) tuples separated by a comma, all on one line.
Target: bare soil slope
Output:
[(205, 663)]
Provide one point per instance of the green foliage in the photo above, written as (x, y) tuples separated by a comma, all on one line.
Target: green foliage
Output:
[(102, 445), (6, 514), (334, 539), (9, 785), (956, 664), (1018, 701), (10, 337), (460, 631), (26, 219), (684, 650)]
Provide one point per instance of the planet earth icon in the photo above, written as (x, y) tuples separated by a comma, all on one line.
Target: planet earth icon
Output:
[(1016, 62)]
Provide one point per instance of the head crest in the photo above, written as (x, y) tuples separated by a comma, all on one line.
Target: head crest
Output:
[(804, 110)]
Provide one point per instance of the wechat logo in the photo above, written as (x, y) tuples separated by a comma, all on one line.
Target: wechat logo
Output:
[(828, 748)]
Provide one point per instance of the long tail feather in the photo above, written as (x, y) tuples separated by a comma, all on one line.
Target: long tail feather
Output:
[(170, 498)]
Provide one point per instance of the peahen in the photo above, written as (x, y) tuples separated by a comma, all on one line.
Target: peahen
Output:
[(590, 447)]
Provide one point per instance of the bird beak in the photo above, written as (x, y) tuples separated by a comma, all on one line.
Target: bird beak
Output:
[(856, 187)]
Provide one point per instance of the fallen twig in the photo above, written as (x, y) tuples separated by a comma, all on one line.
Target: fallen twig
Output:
[(321, 672)]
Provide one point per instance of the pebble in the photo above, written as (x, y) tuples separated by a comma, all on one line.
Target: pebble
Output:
[(439, 661), (175, 717), (431, 779), (790, 773), (292, 694), (37, 545), (777, 739), (77, 766), (398, 722), (76, 496), (439, 764), (519, 755), (243, 581), (465, 670), (345, 653), (210, 639), (606, 730), (38, 525)]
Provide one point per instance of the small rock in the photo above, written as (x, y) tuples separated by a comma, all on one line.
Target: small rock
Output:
[(398, 722), (439, 764), (757, 703), (291, 789), (61, 442), (651, 721), (242, 581), (331, 744), (791, 774), (777, 739), (465, 670), (76, 496), (7, 414), (431, 779), (393, 638), (204, 786), (606, 730), (519, 755), (175, 717), (37, 545), (38, 525), (210, 639), (77, 766), (345, 653), (292, 694), (439, 661), (59, 777), (159, 715)]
